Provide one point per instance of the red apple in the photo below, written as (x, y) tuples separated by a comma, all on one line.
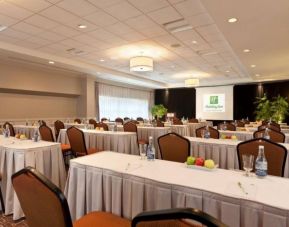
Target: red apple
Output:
[(199, 162)]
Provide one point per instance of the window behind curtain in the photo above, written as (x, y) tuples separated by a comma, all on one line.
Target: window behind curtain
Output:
[(122, 102)]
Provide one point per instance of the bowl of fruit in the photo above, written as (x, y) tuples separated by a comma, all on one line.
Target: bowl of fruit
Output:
[(233, 137), (200, 163)]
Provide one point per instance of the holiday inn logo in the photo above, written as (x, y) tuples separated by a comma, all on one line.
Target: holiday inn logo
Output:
[(214, 100)]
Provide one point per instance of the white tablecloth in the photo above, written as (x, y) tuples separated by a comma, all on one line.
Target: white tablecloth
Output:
[(82, 126), (194, 126), (123, 142), (29, 130), (223, 152), (125, 185), (16, 154), (182, 130)]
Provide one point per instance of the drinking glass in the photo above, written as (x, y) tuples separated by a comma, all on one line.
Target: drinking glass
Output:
[(142, 151), (247, 164), (203, 133)]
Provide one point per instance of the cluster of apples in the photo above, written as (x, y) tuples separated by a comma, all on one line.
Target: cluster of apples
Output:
[(209, 163), (20, 136), (233, 137)]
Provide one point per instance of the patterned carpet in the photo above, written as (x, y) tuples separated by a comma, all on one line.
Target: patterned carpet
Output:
[(6, 221)]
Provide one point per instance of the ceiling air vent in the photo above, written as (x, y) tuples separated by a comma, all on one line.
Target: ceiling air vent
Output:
[(74, 51), (177, 26)]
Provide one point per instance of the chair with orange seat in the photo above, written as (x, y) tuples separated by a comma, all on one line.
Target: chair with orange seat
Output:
[(119, 120), (275, 154), (174, 147), (131, 127), (214, 133), (77, 142), (275, 136), (193, 120), (58, 125), (11, 128), (47, 135), (102, 125), (45, 205)]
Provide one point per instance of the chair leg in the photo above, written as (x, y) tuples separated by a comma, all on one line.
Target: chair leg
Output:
[(2, 201)]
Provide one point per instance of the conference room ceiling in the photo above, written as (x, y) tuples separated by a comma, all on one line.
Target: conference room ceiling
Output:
[(208, 48)]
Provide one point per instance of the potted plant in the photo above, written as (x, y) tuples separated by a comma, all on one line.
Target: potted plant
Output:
[(280, 108), (263, 110), (159, 111)]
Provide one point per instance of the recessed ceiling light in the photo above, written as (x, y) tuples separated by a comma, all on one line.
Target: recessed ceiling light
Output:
[(232, 20), (246, 50), (2, 28), (51, 62), (102, 60), (253, 66), (82, 26), (194, 42)]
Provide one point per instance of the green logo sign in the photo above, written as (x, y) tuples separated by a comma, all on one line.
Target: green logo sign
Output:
[(214, 100)]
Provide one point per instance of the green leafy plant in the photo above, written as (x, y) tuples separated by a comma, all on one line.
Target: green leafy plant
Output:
[(159, 111), (280, 108), (263, 110)]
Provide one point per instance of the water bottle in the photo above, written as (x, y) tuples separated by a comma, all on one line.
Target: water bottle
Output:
[(225, 126), (36, 136), (7, 131), (261, 165), (266, 134), (151, 151), (207, 133)]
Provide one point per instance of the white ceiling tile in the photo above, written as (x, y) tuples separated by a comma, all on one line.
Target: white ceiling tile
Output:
[(41, 22), (14, 11), (8, 39), (166, 40), (65, 31), (133, 36), (38, 40), (200, 20), (54, 1), (153, 32), (27, 44), (58, 14), (119, 28), (78, 7), (175, 1), (190, 7), (71, 43), (149, 5), (101, 34), (33, 5), (15, 34), (123, 11), (27, 28), (58, 46), (104, 3), (46, 49), (51, 36), (140, 22), (101, 19), (6, 20), (165, 15)]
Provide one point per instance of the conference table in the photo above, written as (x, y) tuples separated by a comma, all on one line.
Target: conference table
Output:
[(29, 130), (82, 126), (15, 154), (244, 135), (223, 152), (123, 142), (125, 185)]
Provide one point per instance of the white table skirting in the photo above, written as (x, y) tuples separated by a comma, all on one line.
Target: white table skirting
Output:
[(104, 182), (122, 142), (82, 126), (16, 154), (29, 131)]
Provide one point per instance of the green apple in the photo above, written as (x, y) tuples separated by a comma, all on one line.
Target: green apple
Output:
[(223, 136), (209, 163), (191, 160)]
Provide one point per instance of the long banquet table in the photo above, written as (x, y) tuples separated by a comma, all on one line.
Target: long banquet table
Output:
[(194, 126), (82, 126), (123, 142), (223, 152), (29, 130), (125, 185), (15, 154)]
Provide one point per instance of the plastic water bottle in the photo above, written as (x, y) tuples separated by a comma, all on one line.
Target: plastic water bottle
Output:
[(36, 136), (7, 131), (225, 126), (266, 134), (151, 151), (261, 165), (207, 133)]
